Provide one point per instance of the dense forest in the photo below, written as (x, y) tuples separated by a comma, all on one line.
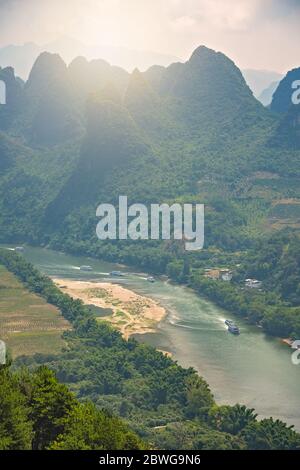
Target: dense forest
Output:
[(37, 412), (74, 136), (165, 405)]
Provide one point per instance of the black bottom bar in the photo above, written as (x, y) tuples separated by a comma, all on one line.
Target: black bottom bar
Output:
[(143, 459)]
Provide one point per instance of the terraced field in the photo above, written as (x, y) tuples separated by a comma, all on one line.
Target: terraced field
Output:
[(28, 324)]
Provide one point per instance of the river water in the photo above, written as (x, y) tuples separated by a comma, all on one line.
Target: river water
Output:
[(251, 369)]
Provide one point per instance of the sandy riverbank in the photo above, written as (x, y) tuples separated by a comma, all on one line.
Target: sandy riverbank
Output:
[(131, 312)]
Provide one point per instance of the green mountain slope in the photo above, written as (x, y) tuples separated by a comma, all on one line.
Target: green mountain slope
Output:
[(190, 131)]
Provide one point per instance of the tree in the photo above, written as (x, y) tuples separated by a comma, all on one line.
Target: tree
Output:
[(90, 429), (271, 435), (15, 426), (50, 403), (231, 419), (199, 396)]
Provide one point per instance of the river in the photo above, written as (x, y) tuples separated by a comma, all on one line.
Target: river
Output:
[(250, 369)]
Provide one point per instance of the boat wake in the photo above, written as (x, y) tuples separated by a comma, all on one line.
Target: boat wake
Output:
[(180, 325)]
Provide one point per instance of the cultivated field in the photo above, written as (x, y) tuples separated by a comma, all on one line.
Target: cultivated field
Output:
[(28, 324)]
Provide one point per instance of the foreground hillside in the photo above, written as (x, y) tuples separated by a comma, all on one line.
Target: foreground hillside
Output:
[(37, 413)]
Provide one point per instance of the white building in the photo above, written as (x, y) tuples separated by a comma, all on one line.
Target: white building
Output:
[(253, 283)]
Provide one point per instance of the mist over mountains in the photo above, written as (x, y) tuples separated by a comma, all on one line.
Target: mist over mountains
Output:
[(73, 136), (260, 80), (22, 57)]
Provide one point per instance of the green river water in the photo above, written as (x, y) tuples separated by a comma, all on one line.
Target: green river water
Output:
[(251, 369)]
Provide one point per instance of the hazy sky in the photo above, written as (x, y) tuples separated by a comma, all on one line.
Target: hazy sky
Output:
[(262, 34)]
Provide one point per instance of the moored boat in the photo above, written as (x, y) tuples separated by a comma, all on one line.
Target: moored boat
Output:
[(86, 268), (232, 328)]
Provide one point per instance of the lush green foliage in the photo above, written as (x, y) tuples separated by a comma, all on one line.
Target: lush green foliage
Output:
[(15, 428), (37, 412), (192, 132), (166, 405), (276, 261), (264, 308), (189, 133)]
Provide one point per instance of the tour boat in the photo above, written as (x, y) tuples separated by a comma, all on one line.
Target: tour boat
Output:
[(232, 328), (86, 268)]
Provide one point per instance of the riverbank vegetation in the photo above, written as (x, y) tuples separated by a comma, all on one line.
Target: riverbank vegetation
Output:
[(272, 259), (166, 405), (275, 262)]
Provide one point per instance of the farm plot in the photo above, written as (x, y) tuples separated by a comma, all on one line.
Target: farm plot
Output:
[(28, 324)]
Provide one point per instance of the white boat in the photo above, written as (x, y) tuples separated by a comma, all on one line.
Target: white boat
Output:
[(86, 268), (232, 328)]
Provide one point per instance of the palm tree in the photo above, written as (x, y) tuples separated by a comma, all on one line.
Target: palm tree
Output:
[(232, 419)]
